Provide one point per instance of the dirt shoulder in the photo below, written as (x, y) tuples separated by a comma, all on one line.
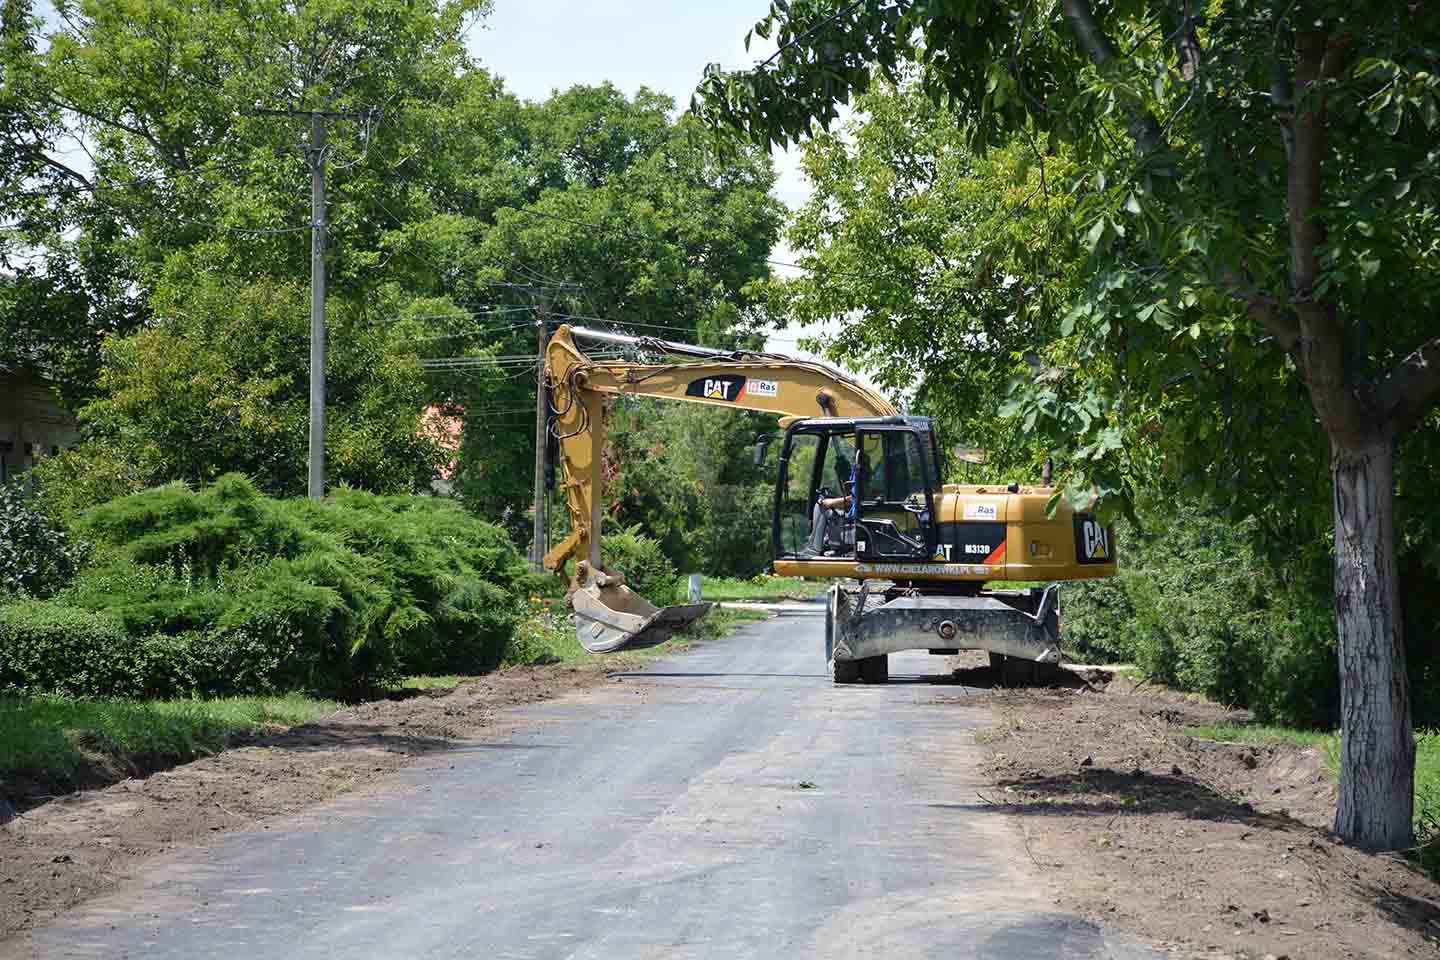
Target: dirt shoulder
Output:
[(76, 846), (1212, 850)]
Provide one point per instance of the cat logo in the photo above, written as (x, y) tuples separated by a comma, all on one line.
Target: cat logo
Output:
[(1094, 542), (726, 387)]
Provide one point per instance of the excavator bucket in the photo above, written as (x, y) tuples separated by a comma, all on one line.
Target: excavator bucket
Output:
[(609, 616)]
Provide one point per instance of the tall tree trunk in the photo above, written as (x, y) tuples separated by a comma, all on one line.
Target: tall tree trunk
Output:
[(1377, 753)]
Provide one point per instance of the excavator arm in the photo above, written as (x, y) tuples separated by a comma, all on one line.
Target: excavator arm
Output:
[(769, 383), (610, 615)]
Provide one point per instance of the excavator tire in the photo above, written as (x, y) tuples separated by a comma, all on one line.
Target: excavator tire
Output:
[(1019, 672), (847, 671), (875, 669)]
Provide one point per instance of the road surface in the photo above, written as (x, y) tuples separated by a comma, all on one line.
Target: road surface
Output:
[(728, 802)]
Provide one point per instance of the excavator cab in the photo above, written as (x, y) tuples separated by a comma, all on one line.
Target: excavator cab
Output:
[(857, 489)]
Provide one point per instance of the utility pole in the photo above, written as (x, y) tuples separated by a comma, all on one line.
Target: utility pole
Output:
[(316, 157), (542, 439), (316, 153)]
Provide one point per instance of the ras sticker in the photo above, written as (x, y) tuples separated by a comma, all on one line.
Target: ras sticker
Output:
[(981, 511), (727, 387), (764, 388), (1093, 542)]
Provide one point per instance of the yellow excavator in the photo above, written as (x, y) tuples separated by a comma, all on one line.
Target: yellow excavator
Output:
[(858, 500)]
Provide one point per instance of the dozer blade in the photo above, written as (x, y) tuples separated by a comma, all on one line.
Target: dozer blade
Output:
[(609, 616)]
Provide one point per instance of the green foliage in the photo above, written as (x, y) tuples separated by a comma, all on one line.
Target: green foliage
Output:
[(1196, 606), (641, 561), (1176, 338), (1427, 799), (761, 587), (658, 227), (220, 383), (937, 266), (37, 558), (226, 590), (46, 737), (684, 474), (544, 631), (95, 471)]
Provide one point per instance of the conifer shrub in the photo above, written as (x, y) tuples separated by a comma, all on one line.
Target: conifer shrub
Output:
[(224, 590)]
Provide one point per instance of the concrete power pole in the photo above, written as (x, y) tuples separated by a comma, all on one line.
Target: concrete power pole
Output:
[(317, 306), (316, 153), (542, 439)]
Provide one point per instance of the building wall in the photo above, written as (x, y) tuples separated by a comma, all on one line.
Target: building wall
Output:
[(31, 422)]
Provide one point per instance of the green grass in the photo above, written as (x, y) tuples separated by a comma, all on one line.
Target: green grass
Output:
[(1256, 733), (546, 634), (424, 682), (48, 737), (760, 588)]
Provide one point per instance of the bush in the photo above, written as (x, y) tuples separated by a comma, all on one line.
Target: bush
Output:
[(1197, 606), (37, 557), (646, 569), (77, 478), (225, 590)]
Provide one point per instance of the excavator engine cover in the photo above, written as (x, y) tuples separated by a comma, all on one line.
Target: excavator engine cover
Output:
[(609, 616)]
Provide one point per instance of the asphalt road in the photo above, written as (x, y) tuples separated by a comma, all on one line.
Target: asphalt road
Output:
[(726, 803)]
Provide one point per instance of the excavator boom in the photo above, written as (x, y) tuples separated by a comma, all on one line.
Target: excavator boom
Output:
[(610, 615), (764, 382)]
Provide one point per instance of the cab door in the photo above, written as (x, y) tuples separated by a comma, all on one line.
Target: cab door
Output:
[(895, 483)]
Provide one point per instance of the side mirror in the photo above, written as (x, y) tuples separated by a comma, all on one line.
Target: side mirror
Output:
[(762, 443)]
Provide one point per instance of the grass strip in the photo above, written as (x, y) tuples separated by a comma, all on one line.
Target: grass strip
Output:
[(54, 738), (760, 588)]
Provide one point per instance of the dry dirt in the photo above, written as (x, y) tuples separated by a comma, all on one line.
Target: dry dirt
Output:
[(1212, 850), (72, 848)]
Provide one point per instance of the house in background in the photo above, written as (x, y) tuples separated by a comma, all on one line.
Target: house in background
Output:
[(32, 422)]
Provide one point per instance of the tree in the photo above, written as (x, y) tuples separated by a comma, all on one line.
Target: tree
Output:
[(218, 385), (685, 474), (1257, 198), (938, 266), (160, 95), (624, 218), (181, 172)]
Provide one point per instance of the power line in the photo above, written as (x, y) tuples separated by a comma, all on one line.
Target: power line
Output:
[(665, 326)]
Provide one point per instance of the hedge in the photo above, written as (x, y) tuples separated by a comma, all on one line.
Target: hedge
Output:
[(226, 591)]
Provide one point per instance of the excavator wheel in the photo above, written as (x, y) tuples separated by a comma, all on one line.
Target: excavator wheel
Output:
[(875, 669), (1019, 672)]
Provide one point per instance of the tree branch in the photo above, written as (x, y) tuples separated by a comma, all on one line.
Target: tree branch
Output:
[(140, 132), (1322, 341), (63, 169), (1144, 128), (1412, 388)]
